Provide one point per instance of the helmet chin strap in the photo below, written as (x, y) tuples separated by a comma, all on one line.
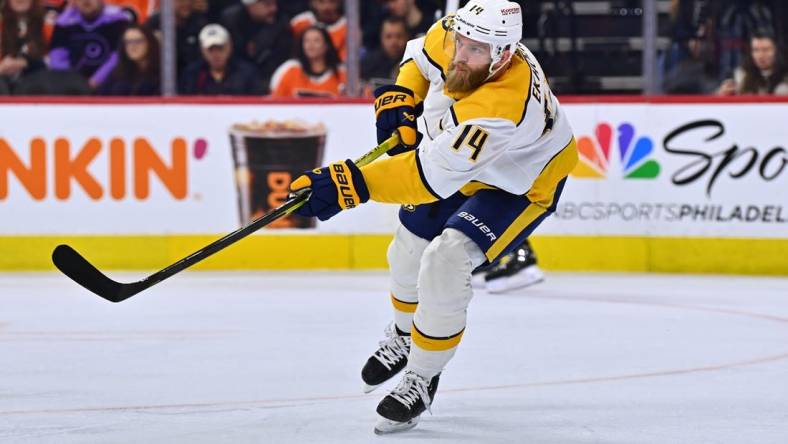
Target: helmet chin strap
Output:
[(501, 64)]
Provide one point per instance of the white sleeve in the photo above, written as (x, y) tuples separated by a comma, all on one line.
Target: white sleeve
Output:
[(414, 51), (458, 155)]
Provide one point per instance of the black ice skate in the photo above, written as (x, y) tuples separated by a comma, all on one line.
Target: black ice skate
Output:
[(388, 360), (517, 269), (400, 410)]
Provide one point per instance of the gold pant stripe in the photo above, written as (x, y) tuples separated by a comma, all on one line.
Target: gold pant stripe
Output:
[(542, 191), (541, 195), (407, 307), (527, 217), (434, 344)]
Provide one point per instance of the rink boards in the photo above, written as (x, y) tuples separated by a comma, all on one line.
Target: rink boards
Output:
[(661, 186)]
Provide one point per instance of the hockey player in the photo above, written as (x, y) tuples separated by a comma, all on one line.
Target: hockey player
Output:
[(492, 163)]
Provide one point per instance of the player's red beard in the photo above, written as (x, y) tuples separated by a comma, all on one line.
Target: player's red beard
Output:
[(462, 78)]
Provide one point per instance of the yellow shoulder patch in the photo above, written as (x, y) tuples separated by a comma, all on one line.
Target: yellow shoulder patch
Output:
[(505, 98)]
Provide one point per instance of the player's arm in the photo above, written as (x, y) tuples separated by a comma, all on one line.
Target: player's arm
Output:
[(397, 106), (411, 75), (436, 170), (440, 167)]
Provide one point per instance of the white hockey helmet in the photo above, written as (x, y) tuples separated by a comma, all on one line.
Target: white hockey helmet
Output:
[(498, 23)]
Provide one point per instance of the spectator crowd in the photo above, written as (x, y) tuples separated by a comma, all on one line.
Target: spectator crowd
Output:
[(727, 47), (297, 48), (292, 48)]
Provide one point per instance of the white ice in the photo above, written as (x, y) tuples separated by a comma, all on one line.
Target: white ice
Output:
[(275, 358)]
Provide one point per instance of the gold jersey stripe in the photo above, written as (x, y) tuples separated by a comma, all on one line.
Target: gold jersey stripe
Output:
[(542, 191), (434, 344), (398, 179), (473, 187), (406, 307), (541, 195)]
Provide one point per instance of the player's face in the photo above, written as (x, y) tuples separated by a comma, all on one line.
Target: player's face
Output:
[(471, 52), (470, 65), (763, 53)]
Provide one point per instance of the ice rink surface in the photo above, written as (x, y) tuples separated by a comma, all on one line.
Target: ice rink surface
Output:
[(275, 358)]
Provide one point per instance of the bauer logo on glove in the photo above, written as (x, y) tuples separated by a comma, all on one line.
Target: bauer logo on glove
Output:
[(339, 186), (347, 194), (389, 100), (396, 111)]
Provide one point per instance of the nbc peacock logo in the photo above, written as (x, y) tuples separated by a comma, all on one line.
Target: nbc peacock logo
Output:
[(634, 154)]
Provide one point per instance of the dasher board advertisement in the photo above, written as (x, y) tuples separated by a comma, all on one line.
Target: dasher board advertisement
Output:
[(172, 169), (650, 169), (702, 170)]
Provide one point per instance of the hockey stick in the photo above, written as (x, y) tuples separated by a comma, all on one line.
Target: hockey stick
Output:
[(76, 267)]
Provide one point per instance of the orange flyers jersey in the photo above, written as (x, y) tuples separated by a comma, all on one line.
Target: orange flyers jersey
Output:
[(290, 80), (141, 9), (337, 30)]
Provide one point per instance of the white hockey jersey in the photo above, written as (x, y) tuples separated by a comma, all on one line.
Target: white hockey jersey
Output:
[(509, 134)]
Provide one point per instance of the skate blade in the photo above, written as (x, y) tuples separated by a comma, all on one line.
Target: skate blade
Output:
[(366, 388), (387, 426), (496, 289), (525, 278)]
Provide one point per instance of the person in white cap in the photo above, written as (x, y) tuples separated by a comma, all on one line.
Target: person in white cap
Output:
[(490, 167), (219, 73)]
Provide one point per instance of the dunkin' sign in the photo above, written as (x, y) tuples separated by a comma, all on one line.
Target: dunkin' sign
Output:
[(58, 167)]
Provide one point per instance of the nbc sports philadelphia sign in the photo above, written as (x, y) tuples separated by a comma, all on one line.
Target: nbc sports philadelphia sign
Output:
[(677, 170)]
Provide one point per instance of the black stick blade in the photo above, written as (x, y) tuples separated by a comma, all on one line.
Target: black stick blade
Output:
[(76, 267)]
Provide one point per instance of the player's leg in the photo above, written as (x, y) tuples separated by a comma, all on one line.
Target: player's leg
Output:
[(418, 225), (404, 254), (444, 294), (488, 225)]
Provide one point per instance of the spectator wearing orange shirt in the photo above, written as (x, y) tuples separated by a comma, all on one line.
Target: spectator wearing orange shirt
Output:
[(327, 13), (316, 72)]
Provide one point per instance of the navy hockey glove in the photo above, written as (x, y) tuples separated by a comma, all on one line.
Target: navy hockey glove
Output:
[(396, 110), (337, 187)]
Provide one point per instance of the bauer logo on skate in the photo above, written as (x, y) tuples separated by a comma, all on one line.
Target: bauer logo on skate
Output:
[(58, 167), (634, 155)]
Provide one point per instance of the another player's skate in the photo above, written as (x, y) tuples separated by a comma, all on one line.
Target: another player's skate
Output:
[(388, 360), (517, 269), (478, 281), (400, 410)]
